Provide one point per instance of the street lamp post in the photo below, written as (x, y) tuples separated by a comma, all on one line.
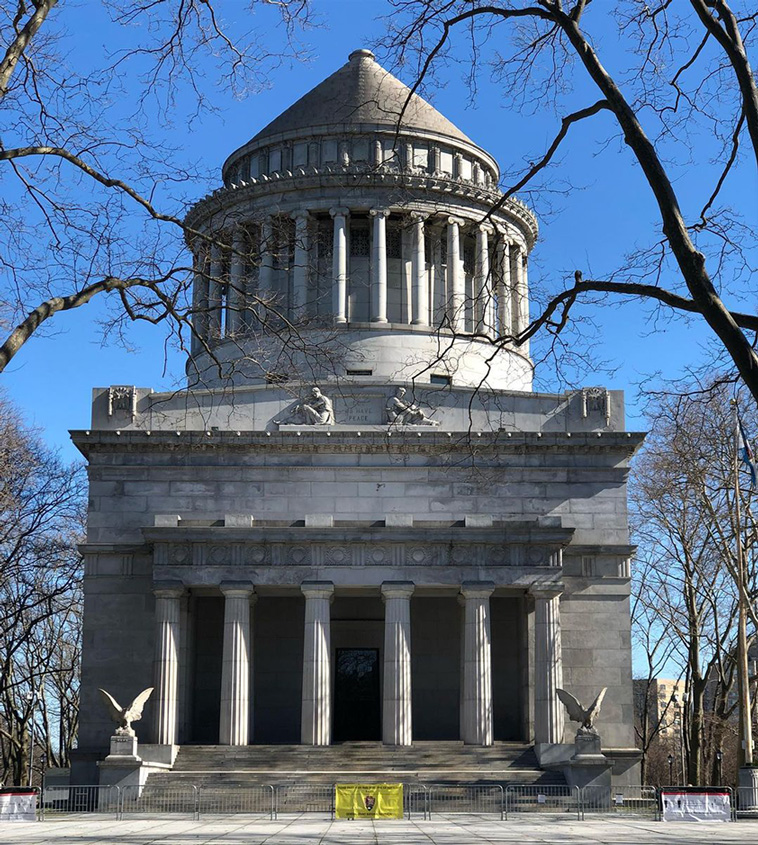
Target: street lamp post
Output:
[(671, 769), (679, 714), (682, 728), (32, 699), (719, 758)]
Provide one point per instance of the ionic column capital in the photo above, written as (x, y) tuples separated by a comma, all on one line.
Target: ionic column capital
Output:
[(455, 221), (397, 589), (379, 212), (418, 216), (300, 214), (339, 211), (486, 228)]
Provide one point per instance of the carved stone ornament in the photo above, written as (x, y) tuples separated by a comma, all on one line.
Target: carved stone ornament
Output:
[(401, 412), (578, 713), (122, 398), (594, 400), (124, 716), (317, 409)]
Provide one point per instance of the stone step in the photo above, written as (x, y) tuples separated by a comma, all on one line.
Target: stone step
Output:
[(240, 780), (237, 767), (364, 754)]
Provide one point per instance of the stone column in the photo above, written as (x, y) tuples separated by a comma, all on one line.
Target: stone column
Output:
[(396, 710), (435, 159), (406, 312), (235, 298), (457, 165), (420, 284), (379, 266), (455, 280), (548, 664), (523, 297), (339, 258), (477, 663), (485, 307), (235, 663), (301, 268), (168, 596), (316, 724), (200, 301), (505, 299), (266, 251), (519, 288), (215, 288)]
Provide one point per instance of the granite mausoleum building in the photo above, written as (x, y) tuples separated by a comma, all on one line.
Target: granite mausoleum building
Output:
[(358, 522)]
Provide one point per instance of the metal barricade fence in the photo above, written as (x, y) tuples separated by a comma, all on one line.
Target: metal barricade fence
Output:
[(419, 799), (745, 801), (621, 800), (304, 798), (535, 798), (475, 799), (416, 800), (86, 799), (160, 800), (250, 800)]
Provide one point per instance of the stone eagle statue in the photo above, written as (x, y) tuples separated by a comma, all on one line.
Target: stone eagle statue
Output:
[(578, 713), (124, 716)]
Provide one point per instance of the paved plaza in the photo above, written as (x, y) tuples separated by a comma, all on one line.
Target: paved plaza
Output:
[(300, 830)]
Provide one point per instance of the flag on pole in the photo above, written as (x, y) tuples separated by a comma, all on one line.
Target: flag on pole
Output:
[(746, 453)]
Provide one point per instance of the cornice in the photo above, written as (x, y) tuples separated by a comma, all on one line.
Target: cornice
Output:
[(307, 178), (359, 439)]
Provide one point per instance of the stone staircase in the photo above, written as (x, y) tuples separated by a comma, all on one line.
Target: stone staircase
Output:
[(424, 762)]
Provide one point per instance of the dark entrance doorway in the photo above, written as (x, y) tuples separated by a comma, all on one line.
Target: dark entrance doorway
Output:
[(357, 714)]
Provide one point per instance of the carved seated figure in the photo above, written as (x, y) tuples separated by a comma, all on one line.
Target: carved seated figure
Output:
[(316, 410), (401, 412)]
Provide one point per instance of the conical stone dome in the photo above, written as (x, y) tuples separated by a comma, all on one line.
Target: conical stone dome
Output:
[(365, 218), (361, 92)]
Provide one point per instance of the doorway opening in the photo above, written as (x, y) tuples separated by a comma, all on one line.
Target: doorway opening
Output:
[(357, 705)]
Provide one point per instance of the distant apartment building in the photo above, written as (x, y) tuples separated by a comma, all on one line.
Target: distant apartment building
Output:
[(662, 698)]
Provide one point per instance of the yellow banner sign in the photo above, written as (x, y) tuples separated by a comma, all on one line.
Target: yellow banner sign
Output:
[(368, 801)]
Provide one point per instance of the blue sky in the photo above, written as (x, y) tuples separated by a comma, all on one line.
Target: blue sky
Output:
[(607, 213)]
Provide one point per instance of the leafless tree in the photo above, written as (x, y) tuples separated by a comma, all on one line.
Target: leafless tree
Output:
[(683, 508), (41, 520), (93, 204), (653, 640), (684, 96)]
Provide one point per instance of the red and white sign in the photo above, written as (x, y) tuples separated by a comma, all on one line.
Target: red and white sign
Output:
[(693, 806), (18, 806)]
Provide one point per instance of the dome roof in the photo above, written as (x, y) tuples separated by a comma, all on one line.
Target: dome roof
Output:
[(360, 92)]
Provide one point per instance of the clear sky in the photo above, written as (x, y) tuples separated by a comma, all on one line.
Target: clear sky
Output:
[(607, 213)]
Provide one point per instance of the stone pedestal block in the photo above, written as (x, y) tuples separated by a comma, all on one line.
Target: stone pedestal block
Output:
[(587, 745), (123, 747)]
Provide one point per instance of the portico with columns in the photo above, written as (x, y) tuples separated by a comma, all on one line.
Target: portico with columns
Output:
[(474, 701), (359, 523)]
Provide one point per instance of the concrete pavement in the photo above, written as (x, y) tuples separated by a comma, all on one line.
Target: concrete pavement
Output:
[(299, 830)]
